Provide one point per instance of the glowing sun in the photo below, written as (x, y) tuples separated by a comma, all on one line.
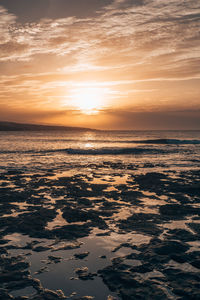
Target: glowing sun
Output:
[(88, 99)]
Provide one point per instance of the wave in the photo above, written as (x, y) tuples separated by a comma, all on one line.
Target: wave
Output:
[(111, 151), (139, 149), (92, 151), (122, 141), (150, 141), (159, 142), (167, 142)]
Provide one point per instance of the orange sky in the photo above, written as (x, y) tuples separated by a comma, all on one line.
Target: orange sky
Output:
[(121, 64)]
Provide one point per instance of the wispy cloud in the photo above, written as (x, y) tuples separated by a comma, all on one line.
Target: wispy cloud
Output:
[(138, 30)]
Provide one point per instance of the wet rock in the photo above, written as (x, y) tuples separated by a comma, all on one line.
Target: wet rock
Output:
[(111, 298), (171, 247), (77, 215), (115, 278), (70, 246), (84, 202), (195, 227), (30, 245), (72, 232), (83, 274), (189, 283), (179, 258), (131, 196), (4, 295), (196, 263), (124, 282), (85, 298), (178, 211), (103, 256), (105, 233), (81, 255), (50, 295), (10, 277), (142, 223), (151, 181), (41, 248), (32, 224), (17, 266), (161, 251), (149, 290), (98, 188), (41, 270), (144, 268), (181, 234), (54, 259), (125, 245)]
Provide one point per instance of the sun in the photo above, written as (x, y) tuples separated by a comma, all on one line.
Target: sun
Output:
[(88, 99)]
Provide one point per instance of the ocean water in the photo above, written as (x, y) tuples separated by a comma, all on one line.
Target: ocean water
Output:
[(57, 151)]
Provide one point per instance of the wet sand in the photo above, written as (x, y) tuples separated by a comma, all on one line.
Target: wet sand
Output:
[(111, 233)]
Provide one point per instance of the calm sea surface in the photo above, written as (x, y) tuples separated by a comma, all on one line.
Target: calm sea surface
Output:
[(54, 151)]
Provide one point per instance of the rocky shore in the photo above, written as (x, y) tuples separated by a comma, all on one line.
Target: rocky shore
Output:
[(118, 235)]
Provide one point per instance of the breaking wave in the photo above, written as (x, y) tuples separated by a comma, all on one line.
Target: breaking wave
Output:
[(93, 151), (151, 141), (168, 142), (122, 141), (112, 151)]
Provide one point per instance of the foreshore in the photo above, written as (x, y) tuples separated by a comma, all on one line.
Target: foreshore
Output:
[(109, 235)]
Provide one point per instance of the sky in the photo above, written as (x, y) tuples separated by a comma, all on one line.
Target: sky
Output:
[(106, 64)]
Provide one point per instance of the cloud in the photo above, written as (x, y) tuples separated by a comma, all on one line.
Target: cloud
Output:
[(6, 21), (137, 29), (128, 42)]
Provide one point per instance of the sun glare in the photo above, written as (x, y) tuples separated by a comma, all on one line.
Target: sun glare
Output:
[(88, 99)]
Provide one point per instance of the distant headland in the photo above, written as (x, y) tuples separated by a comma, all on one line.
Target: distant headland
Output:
[(12, 126)]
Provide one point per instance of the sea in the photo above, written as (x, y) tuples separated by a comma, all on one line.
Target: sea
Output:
[(59, 151)]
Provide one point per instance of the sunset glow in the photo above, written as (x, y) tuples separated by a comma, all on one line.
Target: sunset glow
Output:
[(106, 64), (88, 100)]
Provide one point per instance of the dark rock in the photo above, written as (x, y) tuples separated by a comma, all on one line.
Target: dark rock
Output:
[(142, 223), (171, 247), (196, 263), (181, 234), (83, 274), (41, 248), (81, 255), (4, 295), (102, 256), (195, 227), (54, 259), (178, 211)]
